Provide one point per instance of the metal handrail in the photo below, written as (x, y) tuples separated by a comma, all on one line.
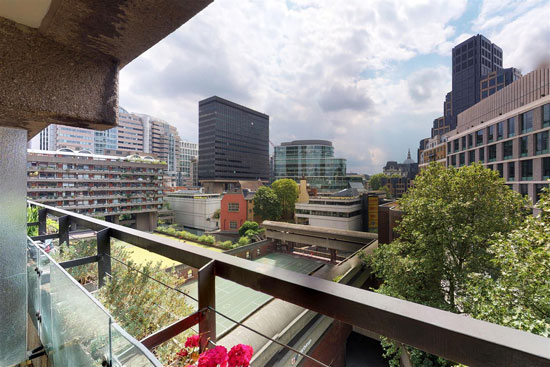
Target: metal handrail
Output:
[(455, 337)]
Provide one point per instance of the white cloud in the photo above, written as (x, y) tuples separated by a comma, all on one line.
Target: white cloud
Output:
[(306, 65)]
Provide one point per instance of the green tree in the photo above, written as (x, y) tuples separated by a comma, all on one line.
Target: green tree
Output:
[(250, 226), (266, 204), (519, 296), (287, 191), (450, 218), (375, 181)]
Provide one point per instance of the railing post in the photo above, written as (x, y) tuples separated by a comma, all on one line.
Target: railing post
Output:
[(42, 214), (104, 251), (207, 298), (64, 228)]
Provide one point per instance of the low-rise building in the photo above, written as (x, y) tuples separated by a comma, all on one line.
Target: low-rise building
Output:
[(435, 150), (341, 210), (97, 185), (194, 209), (234, 210)]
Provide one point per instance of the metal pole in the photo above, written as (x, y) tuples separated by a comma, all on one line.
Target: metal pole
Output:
[(42, 214), (64, 229), (104, 253), (207, 298)]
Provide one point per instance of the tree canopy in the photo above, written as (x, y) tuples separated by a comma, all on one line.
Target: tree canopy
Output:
[(266, 204), (287, 191), (450, 217), (375, 181), (519, 296)]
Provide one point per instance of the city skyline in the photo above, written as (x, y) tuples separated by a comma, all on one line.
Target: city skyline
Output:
[(368, 86)]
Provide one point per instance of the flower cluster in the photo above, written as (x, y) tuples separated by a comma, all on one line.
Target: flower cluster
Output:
[(238, 356)]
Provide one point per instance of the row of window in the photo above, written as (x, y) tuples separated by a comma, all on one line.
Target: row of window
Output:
[(525, 169), (496, 131)]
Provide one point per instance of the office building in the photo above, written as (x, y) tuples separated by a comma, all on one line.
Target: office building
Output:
[(341, 210), (313, 160), (497, 80), (509, 133), (188, 151), (97, 185), (472, 60), (233, 142), (435, 150)]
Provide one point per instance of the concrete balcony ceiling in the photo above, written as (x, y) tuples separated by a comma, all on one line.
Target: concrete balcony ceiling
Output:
[(61, 58)]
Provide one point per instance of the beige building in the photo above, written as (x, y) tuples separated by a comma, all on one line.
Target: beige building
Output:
[(509, 133)]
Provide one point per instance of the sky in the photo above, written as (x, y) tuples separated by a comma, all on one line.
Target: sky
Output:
[(370, 76)]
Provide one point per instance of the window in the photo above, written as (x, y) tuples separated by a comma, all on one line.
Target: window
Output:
[(233, 225), (500, 169), (527, 170), (455, 145), (471, 156), (470, 140), (546, 168), (461, 158), (511, 127), (492, 153), (453, 160), (482, 155), (463, 142), (479, 138), (526, 121), (484, 84), (546, 115), (541, 142), (523, 189), (507, 149), (484, 94), (233, 207), (500, 130), (490, 133), (511, 171), (523, 146)]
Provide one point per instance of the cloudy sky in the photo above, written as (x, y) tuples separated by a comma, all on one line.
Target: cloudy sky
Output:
[(370, 76)]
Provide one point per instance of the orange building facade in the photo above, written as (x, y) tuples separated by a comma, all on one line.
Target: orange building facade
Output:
[(234, 212)]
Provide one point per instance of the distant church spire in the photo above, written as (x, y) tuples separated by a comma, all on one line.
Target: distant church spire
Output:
[(409, 154)]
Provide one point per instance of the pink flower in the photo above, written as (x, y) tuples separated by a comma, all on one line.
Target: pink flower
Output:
[(240, 355), (192, 341), (215, 357)]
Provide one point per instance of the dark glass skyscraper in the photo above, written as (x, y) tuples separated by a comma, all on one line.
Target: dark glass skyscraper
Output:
[(473, 60), (233, 141)]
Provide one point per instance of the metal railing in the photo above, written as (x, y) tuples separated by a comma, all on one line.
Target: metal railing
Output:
[(74, 328), (455, 337)]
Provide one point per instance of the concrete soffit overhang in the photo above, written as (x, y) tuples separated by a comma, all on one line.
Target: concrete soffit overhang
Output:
[(59, 59)]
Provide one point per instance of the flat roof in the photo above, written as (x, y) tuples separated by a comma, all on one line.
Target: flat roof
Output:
[(232, 104), (307, 142)]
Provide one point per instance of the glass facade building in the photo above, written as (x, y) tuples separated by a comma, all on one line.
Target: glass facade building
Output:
[(233, 141), (313, 160)]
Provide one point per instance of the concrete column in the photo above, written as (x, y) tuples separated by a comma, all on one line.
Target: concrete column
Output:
[(13, 276), (146, 221), (332, 255)]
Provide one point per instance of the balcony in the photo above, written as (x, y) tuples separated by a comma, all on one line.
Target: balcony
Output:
[(455, 337)]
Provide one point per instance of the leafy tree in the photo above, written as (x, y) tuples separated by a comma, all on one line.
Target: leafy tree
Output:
[(250, 229), (32, 216), (375, 181), (450, 217), (287, 191), (248, 225), (266, 204), (519, 296)]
